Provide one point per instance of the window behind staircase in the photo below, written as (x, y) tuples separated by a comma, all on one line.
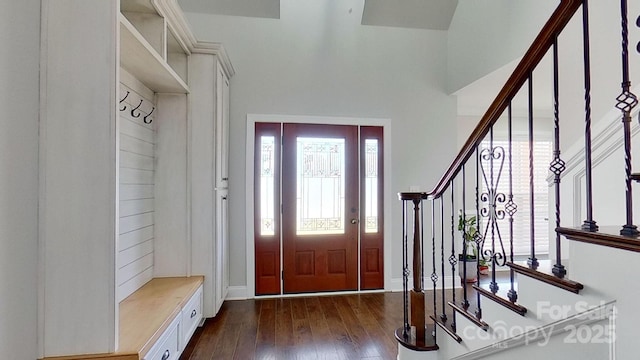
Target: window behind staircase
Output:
[(542, 154)]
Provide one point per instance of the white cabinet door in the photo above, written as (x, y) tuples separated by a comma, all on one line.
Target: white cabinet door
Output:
[(222, 128), (222, 248)]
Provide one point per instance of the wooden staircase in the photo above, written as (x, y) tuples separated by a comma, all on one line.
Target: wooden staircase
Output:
[(494, 206)]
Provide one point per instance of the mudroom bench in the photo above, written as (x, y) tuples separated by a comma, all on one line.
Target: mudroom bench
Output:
[(156, 321)]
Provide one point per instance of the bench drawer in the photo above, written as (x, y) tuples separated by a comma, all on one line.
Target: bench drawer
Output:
[(191, 316), (167, 347)]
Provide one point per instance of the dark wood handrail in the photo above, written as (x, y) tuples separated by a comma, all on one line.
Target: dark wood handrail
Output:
[(556, 23)]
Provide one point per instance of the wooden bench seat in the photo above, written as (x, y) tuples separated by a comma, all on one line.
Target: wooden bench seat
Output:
[(145, 315)]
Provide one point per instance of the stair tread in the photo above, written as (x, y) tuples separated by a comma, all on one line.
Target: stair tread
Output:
[(446, 328), (545, 274), (410, 342), (605, 236), (501, 300)]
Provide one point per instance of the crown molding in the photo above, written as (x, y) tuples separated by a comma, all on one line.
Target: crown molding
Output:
[(217, 49), (177, 22)]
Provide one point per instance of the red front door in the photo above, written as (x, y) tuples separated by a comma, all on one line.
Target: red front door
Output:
[(320, 212)]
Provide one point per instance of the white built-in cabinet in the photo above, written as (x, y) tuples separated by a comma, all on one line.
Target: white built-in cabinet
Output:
[(92, 50), (209, 132)]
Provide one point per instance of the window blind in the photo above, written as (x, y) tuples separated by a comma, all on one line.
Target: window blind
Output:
[(542, 154)]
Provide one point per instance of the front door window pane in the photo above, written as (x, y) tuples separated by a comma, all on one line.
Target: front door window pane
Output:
[(320, 200), (371, 185), (267, 185)]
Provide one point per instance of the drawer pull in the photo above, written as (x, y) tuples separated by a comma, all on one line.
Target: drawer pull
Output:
[(225, 179), (193, 313), (166, 355)]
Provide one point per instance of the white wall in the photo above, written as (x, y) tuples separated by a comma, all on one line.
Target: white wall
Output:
[(19, 97), (318, 60), (487, 34)]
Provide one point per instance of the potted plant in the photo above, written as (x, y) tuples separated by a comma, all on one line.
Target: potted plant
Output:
[(469, 229)]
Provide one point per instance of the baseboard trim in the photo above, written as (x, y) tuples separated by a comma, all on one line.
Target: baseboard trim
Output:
[(237, 293), (396, 283)]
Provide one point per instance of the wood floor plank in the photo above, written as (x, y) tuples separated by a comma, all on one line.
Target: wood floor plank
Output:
[(246, 345), (344, 344), (359, 326), (266, 335), (322, 340)]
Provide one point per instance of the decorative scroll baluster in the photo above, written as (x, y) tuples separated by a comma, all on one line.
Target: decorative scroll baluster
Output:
[(532, 261), (443, 317), (626, 102), (491, 210), (589, 224), (452, 259), (557, 165), (510, 207)]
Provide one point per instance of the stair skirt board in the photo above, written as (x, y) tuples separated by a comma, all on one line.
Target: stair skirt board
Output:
[(542, 335)]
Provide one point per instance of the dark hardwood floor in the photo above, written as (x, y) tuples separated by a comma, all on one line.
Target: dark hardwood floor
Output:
[(359, 326), (316, 327)]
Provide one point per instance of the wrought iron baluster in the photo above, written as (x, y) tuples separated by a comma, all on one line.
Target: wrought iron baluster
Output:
[(452, 259), (589, 224), (417, 293), (626, 102), (510, 207), (493, 286), (443, 317), (405, 273), (465, 299), (478, 239), (532, 261), (434, 275), (492, 210), (557, 165)]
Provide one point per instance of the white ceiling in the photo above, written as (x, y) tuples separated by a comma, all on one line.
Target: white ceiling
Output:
[(250, 8), (420, 14)]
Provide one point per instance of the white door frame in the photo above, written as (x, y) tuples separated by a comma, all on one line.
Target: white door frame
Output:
[(252, 119)]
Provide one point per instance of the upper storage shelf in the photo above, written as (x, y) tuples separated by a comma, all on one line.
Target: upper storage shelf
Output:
[(149, 50)]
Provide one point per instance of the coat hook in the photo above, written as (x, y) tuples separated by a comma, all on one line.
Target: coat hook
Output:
[(146, 116), (136, 108), (125, 106)]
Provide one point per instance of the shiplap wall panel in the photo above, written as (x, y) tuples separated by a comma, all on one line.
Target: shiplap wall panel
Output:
[(137, 146), (136, 237), (136, 192), (135, 253), (136, 282), (137, 128), (131, 160), (132, 207), (134, 269), (136, 176), (135, 222), (137, 188)]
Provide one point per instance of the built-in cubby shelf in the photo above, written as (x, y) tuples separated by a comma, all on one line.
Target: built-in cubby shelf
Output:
[(139, 58)]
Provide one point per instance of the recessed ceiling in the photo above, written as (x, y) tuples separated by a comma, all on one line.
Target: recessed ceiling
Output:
[(419, 14), (250, 8)]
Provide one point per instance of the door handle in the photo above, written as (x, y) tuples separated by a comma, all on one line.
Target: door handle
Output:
[(354, 221)]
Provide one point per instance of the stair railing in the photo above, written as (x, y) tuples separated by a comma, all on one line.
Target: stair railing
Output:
[(490, 164)]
